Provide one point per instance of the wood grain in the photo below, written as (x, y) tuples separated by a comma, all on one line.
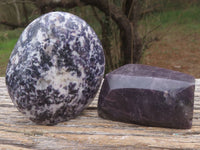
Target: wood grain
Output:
[(88, 131)]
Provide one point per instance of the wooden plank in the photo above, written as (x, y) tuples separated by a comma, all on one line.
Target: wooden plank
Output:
[(88, 131)]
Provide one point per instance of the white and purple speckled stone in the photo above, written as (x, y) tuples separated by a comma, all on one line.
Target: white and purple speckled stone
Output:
[(55, 69)]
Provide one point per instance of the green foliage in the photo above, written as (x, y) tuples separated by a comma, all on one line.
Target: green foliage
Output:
[(7, 35), (5, 51), (8, 40), (180, 17), (187, 17)]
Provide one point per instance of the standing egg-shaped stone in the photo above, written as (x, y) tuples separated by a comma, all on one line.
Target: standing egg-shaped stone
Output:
[(55, 68)]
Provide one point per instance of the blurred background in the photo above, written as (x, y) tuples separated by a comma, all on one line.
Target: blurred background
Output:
[(163, 33)]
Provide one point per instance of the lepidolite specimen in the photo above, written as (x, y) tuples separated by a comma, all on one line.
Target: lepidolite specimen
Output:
[(148, 96), (55, 68)]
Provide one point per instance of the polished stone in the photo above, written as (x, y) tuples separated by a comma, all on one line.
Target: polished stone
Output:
[(55, 69), (148, 96)]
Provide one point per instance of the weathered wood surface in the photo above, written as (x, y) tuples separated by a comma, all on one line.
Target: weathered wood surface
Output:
[(88, 131)]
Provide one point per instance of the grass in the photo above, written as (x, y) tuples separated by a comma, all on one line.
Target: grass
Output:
[(8, 40), (188, 18), (179, 49), (5, 51), (180, 17)]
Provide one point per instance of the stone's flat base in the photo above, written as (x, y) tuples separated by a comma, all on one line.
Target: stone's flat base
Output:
[(148, 96)]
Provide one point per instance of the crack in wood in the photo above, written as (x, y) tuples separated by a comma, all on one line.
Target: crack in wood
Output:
[(15, 143), (6, 105)]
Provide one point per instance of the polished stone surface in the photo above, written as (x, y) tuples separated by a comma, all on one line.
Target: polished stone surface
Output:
[(55, 68), (148, 96)]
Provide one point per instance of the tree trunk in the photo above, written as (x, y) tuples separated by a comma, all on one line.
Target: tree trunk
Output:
[(106, 38), (106, 42), (123, 23), (25, 12), (132, 9), (17, 12)]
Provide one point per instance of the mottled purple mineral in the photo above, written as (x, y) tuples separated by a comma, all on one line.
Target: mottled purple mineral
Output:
[(148, 96), (55, 68)]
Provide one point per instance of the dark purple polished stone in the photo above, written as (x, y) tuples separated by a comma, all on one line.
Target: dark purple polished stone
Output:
[(148, 96)]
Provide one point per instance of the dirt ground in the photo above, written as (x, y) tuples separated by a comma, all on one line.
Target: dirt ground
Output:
[(176, 51)]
